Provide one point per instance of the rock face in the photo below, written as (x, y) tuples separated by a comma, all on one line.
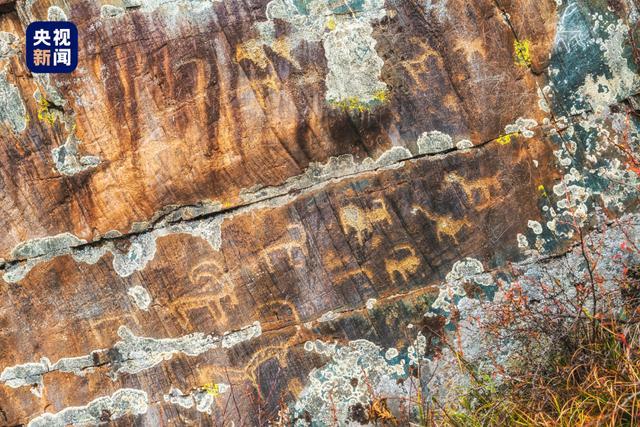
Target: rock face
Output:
[(270, 210)]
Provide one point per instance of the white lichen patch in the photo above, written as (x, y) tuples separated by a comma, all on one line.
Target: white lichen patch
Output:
[(168, 8), (68, 162), (391, 353), (417, 349), (55, 13), (543, 95), (523, 243), (14, 273), (26, 374), (140, 297), (31, 374), (137, 354), (522, 126), (335, 169), (123, 402), (535, 226), (231, 339), (110, 11), (177, 397), (208, 229), (141, 250), (132, 354), (434, 142), (354, 65), (437, 9), (354, 372), (468, 270), (464, 144), (602, 91), (328, 316), (200, 399), (13, 113), (90, 254), (345, 30), (57, 244), (9, 45)]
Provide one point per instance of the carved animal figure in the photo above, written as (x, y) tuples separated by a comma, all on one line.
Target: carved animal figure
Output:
[(445, 225), (361, 221), (404, 267)]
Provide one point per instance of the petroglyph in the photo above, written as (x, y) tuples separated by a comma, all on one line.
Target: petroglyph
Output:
[(362, 221), (294, 249), (474, 192), (218, 304), (445, 225), (406, 266), (143, 246), (187, 220)]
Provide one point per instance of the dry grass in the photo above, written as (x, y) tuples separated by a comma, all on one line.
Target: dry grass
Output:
[(597, 385), (591, 376)]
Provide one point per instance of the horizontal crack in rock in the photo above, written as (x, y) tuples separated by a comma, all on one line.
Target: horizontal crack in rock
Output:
[(165, 220)]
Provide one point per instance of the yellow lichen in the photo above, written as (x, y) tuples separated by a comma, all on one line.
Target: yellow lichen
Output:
[(282, 47), (44, 112), (331, 23), (504, 139), (542, 190), (212, 389), (522, 51), (253, 51), (350, 104), (381, 96), (354, 104)]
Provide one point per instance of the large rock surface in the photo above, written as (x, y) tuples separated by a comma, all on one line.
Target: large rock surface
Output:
[(258, 210)]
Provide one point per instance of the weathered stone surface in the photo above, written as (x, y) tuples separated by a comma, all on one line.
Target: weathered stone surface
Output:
[(230, 210)]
